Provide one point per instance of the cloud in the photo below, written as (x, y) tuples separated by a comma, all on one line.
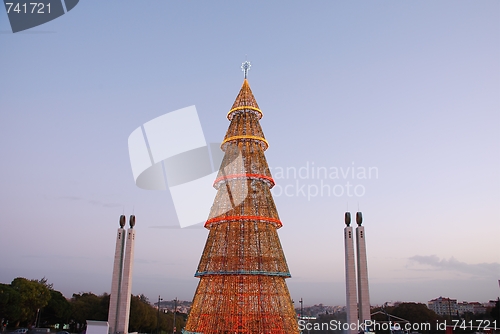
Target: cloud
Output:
[(106, 205), (71, 198), (145, 261), (175, 227), (477, 269), (155, 262), (91, 201)]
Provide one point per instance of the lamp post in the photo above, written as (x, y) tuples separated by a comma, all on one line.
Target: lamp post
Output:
[(38, 317), (158, 322), (301, 308), (175, 311)]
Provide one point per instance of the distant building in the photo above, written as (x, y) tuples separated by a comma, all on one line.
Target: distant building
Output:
[(478, 308), (169, 306), (490, 304), (447, 306), (443, 306), (465, 307), (317, 310)]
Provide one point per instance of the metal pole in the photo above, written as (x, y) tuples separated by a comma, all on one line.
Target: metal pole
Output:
[(449, 308), (158, 322), (175, 311), (36, 318), (301, 309)]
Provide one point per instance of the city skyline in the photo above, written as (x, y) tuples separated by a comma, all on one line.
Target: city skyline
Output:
[(398, 102)]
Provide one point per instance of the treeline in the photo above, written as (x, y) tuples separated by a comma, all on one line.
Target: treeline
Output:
[(34, 303)]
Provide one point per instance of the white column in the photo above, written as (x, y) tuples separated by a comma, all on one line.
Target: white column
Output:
[(350, 276), (363, 292), (116, 280), (126, 289)]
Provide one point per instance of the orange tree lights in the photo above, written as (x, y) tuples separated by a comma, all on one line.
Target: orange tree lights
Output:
[(243, 269)]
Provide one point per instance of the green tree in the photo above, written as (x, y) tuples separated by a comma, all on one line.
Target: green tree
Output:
[(143, 316), (416, 313), (495, 312), (58, 310), (45, 283), (33, 296), (10, 308), (88, 306)]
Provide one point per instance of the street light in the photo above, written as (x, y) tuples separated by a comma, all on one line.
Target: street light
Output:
[(301, 308), (158, 322), (36, 318), (175, 311)]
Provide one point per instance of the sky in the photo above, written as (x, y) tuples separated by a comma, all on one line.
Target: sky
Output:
[(409, 90)]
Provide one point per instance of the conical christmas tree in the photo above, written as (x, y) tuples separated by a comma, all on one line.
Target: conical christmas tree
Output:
[(243, 269)]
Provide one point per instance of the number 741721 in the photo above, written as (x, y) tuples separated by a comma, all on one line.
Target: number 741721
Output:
[(477, 325), (36, 7)]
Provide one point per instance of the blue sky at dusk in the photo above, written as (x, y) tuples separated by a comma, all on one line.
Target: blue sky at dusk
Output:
[(411, 89)]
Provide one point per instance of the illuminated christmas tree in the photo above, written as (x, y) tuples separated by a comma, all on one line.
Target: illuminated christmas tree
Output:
[(243, 269)]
